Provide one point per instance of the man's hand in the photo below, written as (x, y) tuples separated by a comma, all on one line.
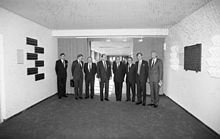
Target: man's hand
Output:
[(99, 79), (160, 83)]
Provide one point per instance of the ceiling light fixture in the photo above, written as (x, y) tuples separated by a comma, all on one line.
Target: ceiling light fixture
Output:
[(124, 40), (141, 40), (108, 40)]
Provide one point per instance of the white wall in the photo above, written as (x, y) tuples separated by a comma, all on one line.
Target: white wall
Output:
[(198, 93), (21, 90)]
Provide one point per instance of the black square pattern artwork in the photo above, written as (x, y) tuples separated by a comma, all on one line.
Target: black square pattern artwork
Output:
[(34, 57)]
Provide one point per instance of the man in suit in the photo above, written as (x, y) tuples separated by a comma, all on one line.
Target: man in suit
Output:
[(104, 74), (90, 71), (60, 68), (141, 79), (119, 73), (130, 79), (155, 78), (77, 72)]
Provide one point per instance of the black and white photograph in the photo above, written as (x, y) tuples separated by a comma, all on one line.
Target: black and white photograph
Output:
[(109, 69)]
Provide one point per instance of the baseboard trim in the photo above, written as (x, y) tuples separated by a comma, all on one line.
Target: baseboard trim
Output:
[(193, 116), (4, 120)]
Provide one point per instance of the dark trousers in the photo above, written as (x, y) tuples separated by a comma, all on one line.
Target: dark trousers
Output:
[(130, 86), (141, 91), (90, 82), (118, 90), (61, 86), (154, 92), (78, 85), (104, 83)]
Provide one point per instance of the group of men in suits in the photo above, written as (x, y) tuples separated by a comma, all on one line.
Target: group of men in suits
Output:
[(137, 74)]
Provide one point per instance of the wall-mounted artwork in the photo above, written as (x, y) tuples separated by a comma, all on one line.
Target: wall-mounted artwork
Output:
[(31, 41), (192, 57), (39, 63), (39, 76), (31, 71), (34, 57), (39, 50)]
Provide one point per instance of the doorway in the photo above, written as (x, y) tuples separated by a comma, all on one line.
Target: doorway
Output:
[(112, 47)]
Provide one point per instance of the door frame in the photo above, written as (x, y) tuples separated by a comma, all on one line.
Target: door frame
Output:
[(2, 82)]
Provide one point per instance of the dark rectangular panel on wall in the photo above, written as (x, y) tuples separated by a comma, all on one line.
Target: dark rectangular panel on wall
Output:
[(192, 57), (39, 76), (31, 41), (31, 71), (39, 50), (32, 56), (39, 63)]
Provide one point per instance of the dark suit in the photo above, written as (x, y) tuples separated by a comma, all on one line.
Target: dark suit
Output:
[(119, 74), (90, 78), (104, 74), (141, 80), (77, 72), (155, 76), (61, 77), (130, 81)]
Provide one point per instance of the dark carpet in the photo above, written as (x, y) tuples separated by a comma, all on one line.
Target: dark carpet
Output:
[(68, 118)]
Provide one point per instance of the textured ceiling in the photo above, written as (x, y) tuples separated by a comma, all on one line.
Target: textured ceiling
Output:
[(103, 14)]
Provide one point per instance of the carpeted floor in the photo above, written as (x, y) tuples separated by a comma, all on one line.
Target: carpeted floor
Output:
[(68, 118)]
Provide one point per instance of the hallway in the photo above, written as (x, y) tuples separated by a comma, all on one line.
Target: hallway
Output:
[(67, 119)]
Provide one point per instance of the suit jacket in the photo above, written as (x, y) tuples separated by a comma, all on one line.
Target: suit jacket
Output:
[(119, 72), (90, 74), (131, 73), (60, 69), (77, 70), (155, 71), (102, 72), (143, 71)]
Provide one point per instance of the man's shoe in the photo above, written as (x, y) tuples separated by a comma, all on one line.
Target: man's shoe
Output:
[(150, 104), (91, 97), (144, 104), (106, 99), (65, 96), (76, 98), (101, 99), (138, 103), (80, 97), (86, 97), (155, 106)]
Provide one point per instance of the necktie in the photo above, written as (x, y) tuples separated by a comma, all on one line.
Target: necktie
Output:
[(105, 65), (152, 63), (129, 66), (63, 63), (89, 67), (80, 64), (139, 67)]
